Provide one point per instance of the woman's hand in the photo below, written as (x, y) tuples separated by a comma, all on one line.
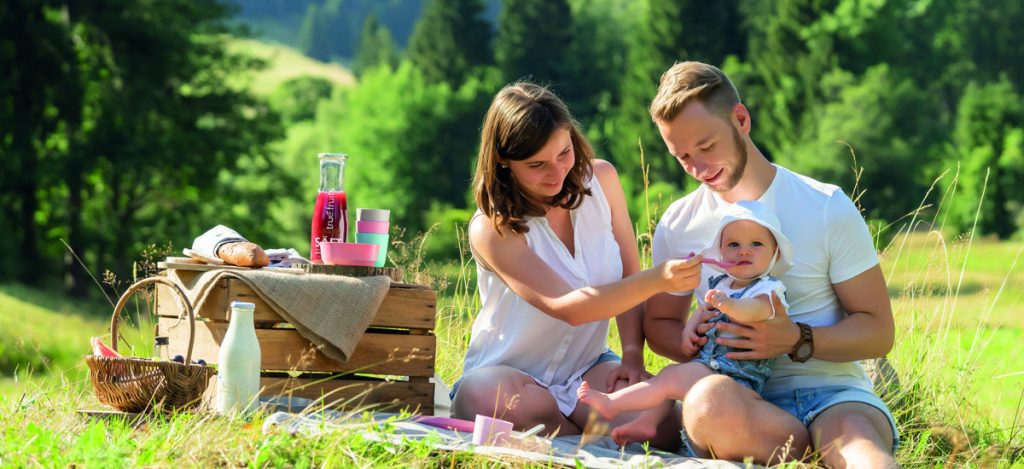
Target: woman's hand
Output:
[(678, 275), (626, 374)]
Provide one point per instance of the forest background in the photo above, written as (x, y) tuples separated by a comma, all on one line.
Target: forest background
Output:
[(134, 123)]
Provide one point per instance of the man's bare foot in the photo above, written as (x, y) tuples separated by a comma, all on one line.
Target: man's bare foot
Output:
[(634, 431), (597, 400)]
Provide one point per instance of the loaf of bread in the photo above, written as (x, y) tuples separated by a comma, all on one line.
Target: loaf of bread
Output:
[(243, 254)]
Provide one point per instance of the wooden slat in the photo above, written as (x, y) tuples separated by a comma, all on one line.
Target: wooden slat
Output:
[(354, 394), (404, 306), (285, 349)]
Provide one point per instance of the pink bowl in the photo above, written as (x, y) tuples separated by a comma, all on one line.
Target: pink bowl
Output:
[(359, 254), (375, 227)]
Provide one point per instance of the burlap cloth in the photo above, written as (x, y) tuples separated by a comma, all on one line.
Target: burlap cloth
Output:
[(331, 311)]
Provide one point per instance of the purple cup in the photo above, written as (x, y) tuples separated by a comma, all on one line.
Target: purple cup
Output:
[(490, 431)]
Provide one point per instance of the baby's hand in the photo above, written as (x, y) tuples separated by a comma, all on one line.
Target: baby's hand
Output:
[(691, 342), (715, 298)]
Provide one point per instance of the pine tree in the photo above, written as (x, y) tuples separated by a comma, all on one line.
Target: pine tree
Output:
[(669, 31), (534, 38), (375, 46), (313, 34), (449, 40)]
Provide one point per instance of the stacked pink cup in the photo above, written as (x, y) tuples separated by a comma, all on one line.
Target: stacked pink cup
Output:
[(372, 227)]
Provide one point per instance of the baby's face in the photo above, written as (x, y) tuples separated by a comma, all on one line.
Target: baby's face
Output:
[(749, 245)]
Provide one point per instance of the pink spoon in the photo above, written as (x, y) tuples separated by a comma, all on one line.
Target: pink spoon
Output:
[(719, 263)]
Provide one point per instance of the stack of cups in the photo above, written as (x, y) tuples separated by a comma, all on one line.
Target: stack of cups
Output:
[(372, 227)]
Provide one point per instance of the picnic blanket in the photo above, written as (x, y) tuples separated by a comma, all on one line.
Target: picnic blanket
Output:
[(570, 451)]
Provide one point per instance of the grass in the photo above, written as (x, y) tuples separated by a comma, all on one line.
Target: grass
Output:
[(958, 356), (284, 63)]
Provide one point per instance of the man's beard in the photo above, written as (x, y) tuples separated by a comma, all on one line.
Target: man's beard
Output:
[(736, 172)]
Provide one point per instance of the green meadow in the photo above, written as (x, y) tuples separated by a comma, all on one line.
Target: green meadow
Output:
[(959, 312)]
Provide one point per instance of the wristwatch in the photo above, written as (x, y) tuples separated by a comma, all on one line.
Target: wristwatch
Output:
[(804, 347)]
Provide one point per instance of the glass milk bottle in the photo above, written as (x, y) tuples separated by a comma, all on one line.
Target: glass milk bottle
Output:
[(238, 375), (330, 214)]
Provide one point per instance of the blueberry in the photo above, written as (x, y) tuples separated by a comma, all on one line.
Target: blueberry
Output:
[(178, 358), (201, 362)]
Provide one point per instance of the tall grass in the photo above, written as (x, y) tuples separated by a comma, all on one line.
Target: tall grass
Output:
[(959, 401)]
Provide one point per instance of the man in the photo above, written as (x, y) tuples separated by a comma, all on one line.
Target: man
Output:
[(839, 311)]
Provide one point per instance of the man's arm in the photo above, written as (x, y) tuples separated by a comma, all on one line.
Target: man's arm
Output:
[(867, 331), (663, 325)]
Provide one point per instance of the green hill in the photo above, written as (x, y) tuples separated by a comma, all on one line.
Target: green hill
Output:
[(284, 63)]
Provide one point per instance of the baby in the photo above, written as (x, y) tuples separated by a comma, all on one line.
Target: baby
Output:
[(753, 253)]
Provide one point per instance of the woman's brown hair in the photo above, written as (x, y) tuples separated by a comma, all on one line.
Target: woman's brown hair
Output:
[(520, 121)]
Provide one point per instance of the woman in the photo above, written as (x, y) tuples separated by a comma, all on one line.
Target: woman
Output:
[(556, 258)]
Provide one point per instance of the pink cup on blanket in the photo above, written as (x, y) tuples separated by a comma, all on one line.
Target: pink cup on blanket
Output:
[(491, 431)]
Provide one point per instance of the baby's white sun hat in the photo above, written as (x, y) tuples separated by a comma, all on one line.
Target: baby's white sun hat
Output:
[(759, 213)]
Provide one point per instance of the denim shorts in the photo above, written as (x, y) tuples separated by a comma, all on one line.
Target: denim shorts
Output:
[(807, 403), (606, 356)]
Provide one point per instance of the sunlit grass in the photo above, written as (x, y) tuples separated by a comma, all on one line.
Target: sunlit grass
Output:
[(283, 63), (958, 356)]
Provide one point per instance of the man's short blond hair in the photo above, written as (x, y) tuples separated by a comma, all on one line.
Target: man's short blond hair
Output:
[(689, 81)]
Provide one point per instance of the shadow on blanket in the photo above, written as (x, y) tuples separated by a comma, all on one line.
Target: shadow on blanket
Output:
[(598, 452)]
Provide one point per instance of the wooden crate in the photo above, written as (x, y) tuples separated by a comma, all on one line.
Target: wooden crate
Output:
[(390, 368)]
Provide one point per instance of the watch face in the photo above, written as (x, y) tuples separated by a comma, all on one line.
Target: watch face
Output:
[(804, 351)]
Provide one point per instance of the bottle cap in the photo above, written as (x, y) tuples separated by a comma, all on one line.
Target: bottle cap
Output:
[(332, 156), (242, 305), (161, 340)]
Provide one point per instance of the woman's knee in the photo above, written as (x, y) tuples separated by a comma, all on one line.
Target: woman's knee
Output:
[(492, 391)]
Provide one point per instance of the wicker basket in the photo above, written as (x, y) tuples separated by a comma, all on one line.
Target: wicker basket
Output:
[(137, 384)]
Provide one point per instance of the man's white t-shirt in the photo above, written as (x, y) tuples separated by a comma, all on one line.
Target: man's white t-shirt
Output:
[(831, 243)]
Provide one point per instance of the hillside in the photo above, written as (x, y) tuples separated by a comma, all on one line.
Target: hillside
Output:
[(284, 63)]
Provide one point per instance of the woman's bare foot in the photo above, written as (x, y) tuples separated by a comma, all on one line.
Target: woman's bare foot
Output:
[(637, 430), (597, 400)]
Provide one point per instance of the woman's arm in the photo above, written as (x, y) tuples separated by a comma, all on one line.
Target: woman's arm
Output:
[(533, 279)]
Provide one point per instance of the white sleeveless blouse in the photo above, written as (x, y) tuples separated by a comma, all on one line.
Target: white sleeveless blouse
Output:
[(509, 331)]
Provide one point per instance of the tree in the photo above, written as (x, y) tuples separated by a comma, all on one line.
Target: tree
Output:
[(668, 31), (375, 47), (408, 141), (313, 36), (39, 90), (449, 40), (988, 139), (124, 131), (874, 117), (534, 37)]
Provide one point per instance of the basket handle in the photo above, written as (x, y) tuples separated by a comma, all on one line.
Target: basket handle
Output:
[(137, 286)]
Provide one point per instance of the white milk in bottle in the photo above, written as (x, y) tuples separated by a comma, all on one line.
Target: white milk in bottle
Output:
[(238, 375)]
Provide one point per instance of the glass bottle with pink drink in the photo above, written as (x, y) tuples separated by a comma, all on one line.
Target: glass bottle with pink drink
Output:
[(330, 214)]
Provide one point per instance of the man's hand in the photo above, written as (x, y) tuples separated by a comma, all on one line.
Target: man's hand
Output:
[(763, 339), (626, 374)]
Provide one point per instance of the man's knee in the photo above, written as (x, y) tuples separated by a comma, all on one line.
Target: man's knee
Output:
[(851, 422), (714, 398)]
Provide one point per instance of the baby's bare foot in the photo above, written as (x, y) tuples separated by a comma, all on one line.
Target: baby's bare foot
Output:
[(634, 431), (597, 400)]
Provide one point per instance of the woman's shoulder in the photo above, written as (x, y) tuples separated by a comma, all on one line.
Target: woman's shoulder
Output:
[(606, 176), (483, 232)]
